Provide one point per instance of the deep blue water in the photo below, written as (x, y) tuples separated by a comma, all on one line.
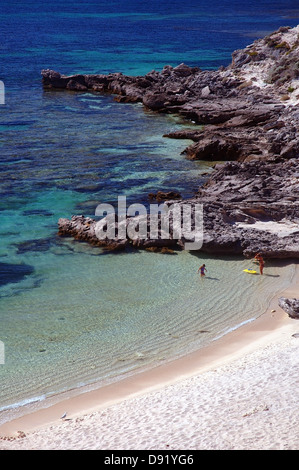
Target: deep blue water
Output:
[(63, 153), (133, 37)]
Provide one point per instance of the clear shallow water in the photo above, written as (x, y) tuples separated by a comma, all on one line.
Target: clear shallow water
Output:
[(95, 317), (71, 315)]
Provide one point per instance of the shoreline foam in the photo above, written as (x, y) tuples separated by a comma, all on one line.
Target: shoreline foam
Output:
[(252, 343)]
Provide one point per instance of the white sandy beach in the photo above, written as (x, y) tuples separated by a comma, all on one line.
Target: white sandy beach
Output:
[(241, 393)]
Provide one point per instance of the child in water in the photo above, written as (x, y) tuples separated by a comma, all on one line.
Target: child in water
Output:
[(202, 270)]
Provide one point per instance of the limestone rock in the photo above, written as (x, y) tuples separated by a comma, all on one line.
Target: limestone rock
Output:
[(290, 306), (240, 115)]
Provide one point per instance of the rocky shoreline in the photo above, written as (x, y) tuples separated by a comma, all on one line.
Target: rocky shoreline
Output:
[(248, 117)]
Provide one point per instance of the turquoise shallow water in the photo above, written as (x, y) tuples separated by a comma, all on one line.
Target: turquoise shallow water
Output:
[(69, 314), (96, 317)]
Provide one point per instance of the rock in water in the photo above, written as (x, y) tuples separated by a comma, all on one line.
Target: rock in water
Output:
[(247, 116)]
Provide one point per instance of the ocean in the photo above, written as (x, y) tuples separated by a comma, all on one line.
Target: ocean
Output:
[(71, 315)]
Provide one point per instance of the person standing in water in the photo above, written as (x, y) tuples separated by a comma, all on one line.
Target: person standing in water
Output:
[(202, 270), (258, 257), (262, 264)]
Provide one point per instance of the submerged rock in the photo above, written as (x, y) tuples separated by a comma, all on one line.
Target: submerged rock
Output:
[(43, 244), (165, 196), (13, 273)]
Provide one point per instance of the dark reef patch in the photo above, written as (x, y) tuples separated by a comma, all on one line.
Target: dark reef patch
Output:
[(14, 272), (36, 245), (42, 212)]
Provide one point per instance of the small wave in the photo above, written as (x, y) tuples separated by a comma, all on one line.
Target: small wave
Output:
[(233, 328), (20, 404)]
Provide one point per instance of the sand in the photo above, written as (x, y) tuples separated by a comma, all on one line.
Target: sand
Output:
[(240, 393)]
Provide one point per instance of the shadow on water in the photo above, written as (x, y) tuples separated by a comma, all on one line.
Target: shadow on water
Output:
[(202, 256), (271, 275), (269, 262), (280, 263), (212, 278)]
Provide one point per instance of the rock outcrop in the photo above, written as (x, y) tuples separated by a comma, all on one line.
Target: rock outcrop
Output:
[(256, 208), (290, 306), (247, 109), (247, 207), (246, 115)]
